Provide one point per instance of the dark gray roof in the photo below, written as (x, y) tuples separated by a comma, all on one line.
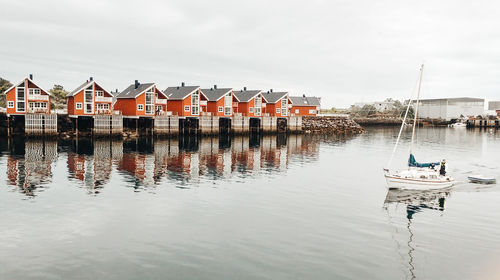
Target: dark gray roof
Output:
[(215, 94), (179, 93), (247, 95), (78, 89), (273, 97), (132, 92), (305, 101)]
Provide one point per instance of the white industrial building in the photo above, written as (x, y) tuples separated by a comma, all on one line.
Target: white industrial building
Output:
[(450, 108), (494, 105)]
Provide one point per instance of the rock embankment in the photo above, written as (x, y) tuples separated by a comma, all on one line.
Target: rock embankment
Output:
[(330, 124)]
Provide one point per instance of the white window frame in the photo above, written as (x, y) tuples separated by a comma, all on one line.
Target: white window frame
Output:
[(228, 104), (23, 100), (221, 109), (86, 102), (278, 110), (159, 108), (140, 107), (297, 111), (34, 91), (195, 103), (258, 105), (150, 109), (99, 93), (78, 106), (187, 108), (284, 109), (312, 111), (250, 110), (10, 104)]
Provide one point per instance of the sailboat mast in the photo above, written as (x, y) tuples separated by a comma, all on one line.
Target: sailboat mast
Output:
[(416, 109)]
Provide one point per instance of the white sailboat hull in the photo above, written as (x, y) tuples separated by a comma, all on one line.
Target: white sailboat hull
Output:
[(416, 184)]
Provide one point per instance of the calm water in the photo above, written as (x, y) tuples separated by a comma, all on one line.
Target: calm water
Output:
[(297, 207)]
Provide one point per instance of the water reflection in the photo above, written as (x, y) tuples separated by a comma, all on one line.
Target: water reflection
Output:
[(148, 162), (29, 165), (413, 203), (91, 162)]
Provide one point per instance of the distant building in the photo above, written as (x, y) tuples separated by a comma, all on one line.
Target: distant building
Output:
[(494, 106), (450, 108), (380, 106), (304, 106)]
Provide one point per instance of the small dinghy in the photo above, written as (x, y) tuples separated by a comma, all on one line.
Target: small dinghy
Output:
[(480, 179)]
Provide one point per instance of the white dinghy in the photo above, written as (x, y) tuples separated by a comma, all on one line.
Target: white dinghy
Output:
[(418, 176)]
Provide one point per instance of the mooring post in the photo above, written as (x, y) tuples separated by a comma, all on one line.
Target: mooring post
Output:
[(76, 125), (137, 127), (8, 126)]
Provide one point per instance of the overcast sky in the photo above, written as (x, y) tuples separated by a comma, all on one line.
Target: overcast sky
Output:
[(344, 51)]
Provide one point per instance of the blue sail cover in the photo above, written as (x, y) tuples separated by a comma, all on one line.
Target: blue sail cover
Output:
[(413, 163)]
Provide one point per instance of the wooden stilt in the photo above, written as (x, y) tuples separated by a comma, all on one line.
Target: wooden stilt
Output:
[(8, 126)]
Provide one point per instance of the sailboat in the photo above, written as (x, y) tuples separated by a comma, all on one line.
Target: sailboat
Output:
[(418, 176)]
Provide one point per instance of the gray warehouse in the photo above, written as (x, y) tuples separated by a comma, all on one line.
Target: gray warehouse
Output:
[(451, 108)]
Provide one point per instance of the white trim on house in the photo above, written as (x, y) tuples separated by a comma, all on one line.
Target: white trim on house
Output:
[(10, 104), (76, 105), (140, 107)]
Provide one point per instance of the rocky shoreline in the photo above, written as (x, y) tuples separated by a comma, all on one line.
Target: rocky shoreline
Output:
[(330, 125)]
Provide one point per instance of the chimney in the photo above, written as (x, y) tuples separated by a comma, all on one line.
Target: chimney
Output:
[(91, 79), (215, 86), (31, 77), (136, 84), (303, 95), (183, 84), (116, 91), (244, 88), (271, 90)]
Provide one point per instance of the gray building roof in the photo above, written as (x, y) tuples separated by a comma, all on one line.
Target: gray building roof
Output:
[(179, 93), (460, 99), (213, 94), (78, 89), (273, 97), (132, 92), (247, 95), (305, 101)]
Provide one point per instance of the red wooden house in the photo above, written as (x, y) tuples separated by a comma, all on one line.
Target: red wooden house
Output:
[(248, 102), (26, 97), (217, 101), (141, 100), (89, 99), (184, 101), (276, 104), (305, 106)]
